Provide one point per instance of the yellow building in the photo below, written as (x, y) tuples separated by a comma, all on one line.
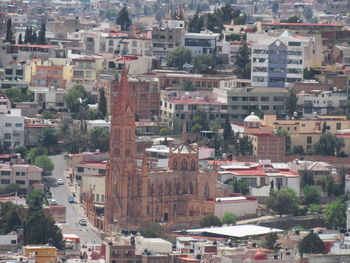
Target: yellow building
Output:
[(307, 132), (30, 69), (42, 254)]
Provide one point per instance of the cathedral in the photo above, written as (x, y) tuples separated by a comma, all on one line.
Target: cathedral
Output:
[(180, 193)]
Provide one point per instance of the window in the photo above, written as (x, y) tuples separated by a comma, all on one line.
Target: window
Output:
[(5, 173), (174, 164), (97, 198), (20, 182), (308, 139), (265, 99), (338, 126), (16, 134), (101, 171), (183, 165), (88, 74), (179, 107), (265, 107), (5, 181), (8, 124), (18, 124), (14, 241), (192, 107), (234, 98), (102, 198), (80, 169), (278, 98), (294, 44)]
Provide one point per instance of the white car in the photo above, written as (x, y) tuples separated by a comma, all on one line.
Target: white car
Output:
[(53, 202), (60, 181)]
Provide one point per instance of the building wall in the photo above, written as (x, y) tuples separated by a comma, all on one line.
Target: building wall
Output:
[(97, 184), (268, 147), (239, 208), (42, 254)]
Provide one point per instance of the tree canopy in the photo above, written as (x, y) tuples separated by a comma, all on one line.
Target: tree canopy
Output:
[(229, 218), (38, 227), (329, 145), (283, 201), (75, 97), (123, 19), (152, 229), (242, 62), (98, 138), (178, 57), (311, 195), (102, 103), (270, 242), (312, 243), (44, 162), (48, 138), (208, 221), (204, 63), (9, 219), (335, 214)]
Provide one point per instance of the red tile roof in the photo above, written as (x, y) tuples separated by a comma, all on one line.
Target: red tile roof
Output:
[(298, 24)]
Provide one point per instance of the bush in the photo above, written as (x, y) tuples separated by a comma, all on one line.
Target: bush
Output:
[(229, 218), (208, 221)]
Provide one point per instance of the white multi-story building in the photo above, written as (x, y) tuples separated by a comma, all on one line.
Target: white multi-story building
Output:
[(321, 102), (204, 42), (11, 124), (278, 60)]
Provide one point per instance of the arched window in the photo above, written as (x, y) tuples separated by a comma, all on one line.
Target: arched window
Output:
[(183, 165), (178, 188), (206, 191), (191, 188), (160, 189), (150, 190), (175, 165), (168, 188), (193, 165)]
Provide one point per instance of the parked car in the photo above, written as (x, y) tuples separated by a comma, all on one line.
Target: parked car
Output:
[(53, 202), (71, 199), (82, 222), (49, 195), (60, 181)]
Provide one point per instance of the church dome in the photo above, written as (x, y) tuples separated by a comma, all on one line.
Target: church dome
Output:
[(252, 118)]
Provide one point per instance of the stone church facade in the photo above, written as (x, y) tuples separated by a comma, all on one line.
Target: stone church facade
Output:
[(182, 192)]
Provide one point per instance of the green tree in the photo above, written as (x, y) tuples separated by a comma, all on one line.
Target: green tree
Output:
[(152, 230), (270, 242), (195, 24), (187, 85), (9, 219), (229, 219), (9, 32), (283, 201), (44, 162), (123, 19), (204, 63), (42, 33), (102, 103), (308, 13), (287, 139), (329, 145), (34, 38), (293, 19), (178, 57), (228, 132), (38, 227), (241, 186), (312, 243), (99, 139), (307, 177), (298, 150), (291, 103), (233, 37), (28, 35), (17, 95), (309, 73), (74, 98), (311, 195), (48, 138), (244, 147), (10, 189), (242, 61), (314, 209), (335, 214), (20, 39), (208, 221), (35, 152), (22, 150)]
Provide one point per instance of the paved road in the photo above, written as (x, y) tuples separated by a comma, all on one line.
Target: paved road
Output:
[(74, 212)]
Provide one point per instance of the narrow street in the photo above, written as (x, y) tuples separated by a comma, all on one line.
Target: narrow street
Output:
[(74, 212)]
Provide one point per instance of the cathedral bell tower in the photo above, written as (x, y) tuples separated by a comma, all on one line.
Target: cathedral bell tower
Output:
[(121, 168)]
